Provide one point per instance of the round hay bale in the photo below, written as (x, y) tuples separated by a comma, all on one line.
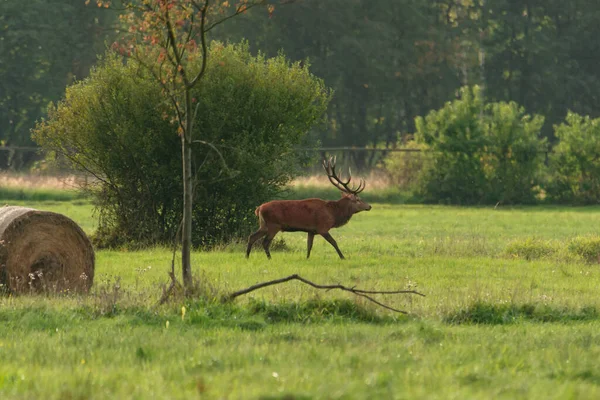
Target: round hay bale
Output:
[(43, 251)]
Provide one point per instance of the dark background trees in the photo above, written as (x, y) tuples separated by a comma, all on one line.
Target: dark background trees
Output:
[(388, 61), (543, 55), (44, 46)]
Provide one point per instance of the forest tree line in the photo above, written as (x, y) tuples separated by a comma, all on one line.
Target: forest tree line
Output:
[(387, 61)]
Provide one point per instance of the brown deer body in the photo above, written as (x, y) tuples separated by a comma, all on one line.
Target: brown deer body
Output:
[(313, 216)]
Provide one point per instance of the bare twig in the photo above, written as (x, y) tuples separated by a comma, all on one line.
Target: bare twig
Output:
[(174, 283), (358, 292), (167, 292), (212, 146), (204, 46), (242, 8)]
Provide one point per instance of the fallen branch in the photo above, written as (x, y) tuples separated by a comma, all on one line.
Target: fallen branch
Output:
[(358, 292)]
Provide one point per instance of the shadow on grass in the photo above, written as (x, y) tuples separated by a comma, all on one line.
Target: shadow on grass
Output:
[(316, 311), (254, 316), (586, 375), (501, 314), (257, 315)]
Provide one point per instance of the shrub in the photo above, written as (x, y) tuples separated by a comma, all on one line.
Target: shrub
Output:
[(585, 248), (514, 157), (115, 125), (479, 153), (456, 136), (531, 249), (574, 163)]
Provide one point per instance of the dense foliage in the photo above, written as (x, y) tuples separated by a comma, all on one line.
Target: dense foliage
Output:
[(388, 61), (391, 61), (251, 112), (43, 48), (514, 156), (476, 152), (575, 163)]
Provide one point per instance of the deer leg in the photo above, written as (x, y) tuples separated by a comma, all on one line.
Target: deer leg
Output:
[(331, 240), (253, 238), (266, 243), (268, 239), (309, 242)]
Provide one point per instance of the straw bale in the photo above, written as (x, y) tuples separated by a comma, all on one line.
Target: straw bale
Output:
[(43, 251)]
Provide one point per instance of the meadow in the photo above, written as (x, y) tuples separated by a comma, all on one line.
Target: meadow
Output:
[(511, 311)]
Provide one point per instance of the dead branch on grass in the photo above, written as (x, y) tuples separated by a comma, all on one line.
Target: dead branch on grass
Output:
[(354, 290)]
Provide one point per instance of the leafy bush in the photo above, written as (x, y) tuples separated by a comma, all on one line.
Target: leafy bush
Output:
[(574, 163), (480, 153), (456, 135), (586, 249), (115, 125), (514, 157)]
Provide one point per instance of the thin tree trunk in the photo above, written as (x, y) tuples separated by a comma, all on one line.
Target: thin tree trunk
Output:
[(186, 229)]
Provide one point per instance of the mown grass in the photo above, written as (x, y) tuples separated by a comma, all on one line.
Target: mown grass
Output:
[(502, 318)]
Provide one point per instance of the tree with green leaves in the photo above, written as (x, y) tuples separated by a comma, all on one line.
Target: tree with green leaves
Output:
[(574, 162), (114, 125), (480, 152), (166, 37)]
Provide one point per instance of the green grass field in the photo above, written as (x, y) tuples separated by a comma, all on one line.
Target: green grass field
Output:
[(512, 311)]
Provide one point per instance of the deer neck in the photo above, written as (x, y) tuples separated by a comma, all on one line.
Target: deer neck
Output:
[(341, 211)]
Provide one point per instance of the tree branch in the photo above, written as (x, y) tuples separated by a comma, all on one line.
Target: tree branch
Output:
[(239, 10), (212, 146), (203, 44), (242, 8), (358, 292), (179, 66), (190, 35)]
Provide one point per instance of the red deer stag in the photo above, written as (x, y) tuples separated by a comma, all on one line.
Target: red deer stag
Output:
[(313, 216)]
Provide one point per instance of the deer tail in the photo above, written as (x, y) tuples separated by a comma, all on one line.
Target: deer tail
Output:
[(257, 210)]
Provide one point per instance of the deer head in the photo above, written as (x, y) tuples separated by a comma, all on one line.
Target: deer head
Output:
[(348, 192)]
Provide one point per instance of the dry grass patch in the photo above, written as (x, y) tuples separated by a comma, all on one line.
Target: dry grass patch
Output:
[(39, 181), (376, 180)]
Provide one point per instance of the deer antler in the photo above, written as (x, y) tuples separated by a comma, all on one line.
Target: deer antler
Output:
[(329, 166)]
